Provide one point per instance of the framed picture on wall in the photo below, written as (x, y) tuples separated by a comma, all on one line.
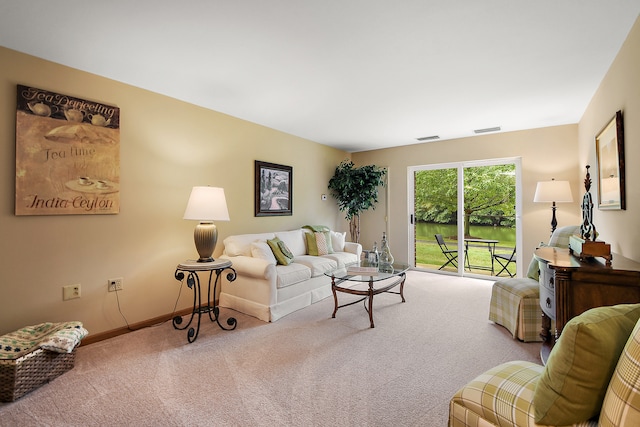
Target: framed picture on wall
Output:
[(273, 189), (610, 159), (67, 155)]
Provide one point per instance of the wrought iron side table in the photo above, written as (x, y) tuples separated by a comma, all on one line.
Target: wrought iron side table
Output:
[(191, 269)]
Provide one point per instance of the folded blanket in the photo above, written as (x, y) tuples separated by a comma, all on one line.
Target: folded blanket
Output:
[(65, 339), (317, 228), (59, 337)]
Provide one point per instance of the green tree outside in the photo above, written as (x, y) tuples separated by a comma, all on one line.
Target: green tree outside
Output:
[(489, 196)]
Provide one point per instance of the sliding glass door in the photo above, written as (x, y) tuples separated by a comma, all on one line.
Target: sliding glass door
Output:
[(462, 214), (435, 219)]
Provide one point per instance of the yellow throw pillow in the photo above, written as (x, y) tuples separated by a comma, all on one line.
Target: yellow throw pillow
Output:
[(280, 251), (572, 386)]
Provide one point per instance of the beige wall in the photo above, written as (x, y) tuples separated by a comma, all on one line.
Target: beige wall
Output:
[(167, 147), (546, 153), (619, 90)]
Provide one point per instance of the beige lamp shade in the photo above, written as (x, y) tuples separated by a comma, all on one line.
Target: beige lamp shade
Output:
[(206, 204), (553, 191)]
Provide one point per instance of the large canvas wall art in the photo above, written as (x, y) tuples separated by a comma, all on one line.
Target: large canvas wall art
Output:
[(67, 155)]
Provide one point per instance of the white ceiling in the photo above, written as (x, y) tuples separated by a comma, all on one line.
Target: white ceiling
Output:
[(353, 74)]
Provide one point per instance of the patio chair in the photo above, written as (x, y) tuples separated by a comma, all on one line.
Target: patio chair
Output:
[(504, 259), (450, 254)]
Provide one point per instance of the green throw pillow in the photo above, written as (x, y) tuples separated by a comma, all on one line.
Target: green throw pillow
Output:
[(534, 269), (572, 386), (312, 245), (319, 243), (280, 251), (284, 249)]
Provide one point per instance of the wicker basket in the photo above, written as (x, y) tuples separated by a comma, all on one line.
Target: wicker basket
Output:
[(20, 376)]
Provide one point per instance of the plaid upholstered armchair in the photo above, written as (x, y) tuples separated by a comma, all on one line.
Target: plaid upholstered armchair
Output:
[(591, 379)]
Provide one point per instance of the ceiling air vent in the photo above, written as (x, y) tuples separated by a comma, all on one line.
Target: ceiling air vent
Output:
[(428, 138), (494, 129)]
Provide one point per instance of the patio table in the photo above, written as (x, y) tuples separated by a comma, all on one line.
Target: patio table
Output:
[(491, 247)]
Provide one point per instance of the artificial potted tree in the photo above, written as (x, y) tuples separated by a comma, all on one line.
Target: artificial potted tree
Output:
[(356, 190)]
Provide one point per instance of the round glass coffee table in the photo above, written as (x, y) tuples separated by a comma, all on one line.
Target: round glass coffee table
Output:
[(367, 281)]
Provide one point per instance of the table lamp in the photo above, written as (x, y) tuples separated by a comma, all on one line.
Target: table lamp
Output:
[(553, 191), (206, 204)]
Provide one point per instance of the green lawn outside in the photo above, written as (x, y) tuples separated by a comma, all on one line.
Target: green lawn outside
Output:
[(429, 255)]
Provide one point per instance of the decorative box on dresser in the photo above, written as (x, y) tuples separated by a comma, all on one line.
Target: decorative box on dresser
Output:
[(569, 287)]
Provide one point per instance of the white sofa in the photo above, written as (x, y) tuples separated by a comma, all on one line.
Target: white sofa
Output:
[(269, 291)]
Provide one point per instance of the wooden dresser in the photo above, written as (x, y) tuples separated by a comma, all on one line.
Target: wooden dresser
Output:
[(568, 287)]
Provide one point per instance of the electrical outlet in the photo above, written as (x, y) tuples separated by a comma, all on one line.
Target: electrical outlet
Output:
[(115, 284), (70, 292)]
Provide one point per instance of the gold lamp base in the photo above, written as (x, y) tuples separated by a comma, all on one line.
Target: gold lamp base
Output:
[(205, 236)]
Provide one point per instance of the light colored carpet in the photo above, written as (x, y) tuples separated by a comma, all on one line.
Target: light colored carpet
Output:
[(306, 369)]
